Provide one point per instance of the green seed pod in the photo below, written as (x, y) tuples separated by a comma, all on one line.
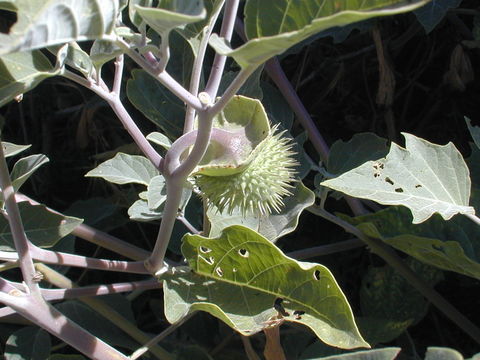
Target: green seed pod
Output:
[(261, 184)]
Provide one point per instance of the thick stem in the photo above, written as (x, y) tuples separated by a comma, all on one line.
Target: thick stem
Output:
[(16, 226), (386, 253), (226, 32)]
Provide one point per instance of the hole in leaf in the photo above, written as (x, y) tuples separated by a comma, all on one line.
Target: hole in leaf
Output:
[(438, 248), (418, 186), (316, 274), (376, 175), (277, 305), (209, 260), (388, 180), (399, 190), (298, 314), (204, 249), (219, 271), (244, 253)]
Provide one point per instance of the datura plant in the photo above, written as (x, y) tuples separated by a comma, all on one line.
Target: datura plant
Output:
[(215, 139)]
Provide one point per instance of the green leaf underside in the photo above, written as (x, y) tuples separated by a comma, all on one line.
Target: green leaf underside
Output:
[(241, 264), (157, 192), (160, 139), (43, 227), (21, 72), (50, 22), (172, 15), (275, 27), (425, 177), (125, 169), (25, 167), (245, 124), (10, 149), (271, 226), (450, 246)]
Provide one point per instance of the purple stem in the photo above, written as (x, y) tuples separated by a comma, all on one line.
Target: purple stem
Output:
[(231, 8)]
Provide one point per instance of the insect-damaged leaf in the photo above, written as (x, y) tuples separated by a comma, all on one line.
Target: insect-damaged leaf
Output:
[(242, 265), (424, 177)]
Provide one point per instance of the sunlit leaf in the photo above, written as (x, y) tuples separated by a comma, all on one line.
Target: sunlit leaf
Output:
[(125, 169), (424, 177), (160, 139), (25, 167), (271, 226), (274, 27), (29, 343), (10, 149), (439, 353), (241, 264), (21, 72), (42, 226), (157, 192), (140, 211), (50, 22), (72, 55)]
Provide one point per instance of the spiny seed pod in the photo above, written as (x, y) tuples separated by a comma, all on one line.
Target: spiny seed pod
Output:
[(260, 187)]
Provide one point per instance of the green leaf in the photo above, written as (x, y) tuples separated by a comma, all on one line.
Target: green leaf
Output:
[(51, 22), (345, 156), (375, 354), (439, 353), (278, 110), (240, 264), (102, 51), (125, 169), (140, 211), (172, 14), (158, 104), (43, 227), (271, 226), (132, 10), (25, 167), (10, 149), (450, 246), (159, 139), (474, 132), (157, 192), (71, 54), (424, 177), (273, 29), (29, 343), (431, 14), (21, 72), (8, 5), (251, 88), (382, 330)]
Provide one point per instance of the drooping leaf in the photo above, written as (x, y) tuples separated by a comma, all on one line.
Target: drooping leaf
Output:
[(10, 149), (172, 14), (51, 22), (157, 103), (25, 167), (474, 132), (431, 14), (424, 177), (271, 226), (450, 246), (273, 28), (43, 227), (241, 264), (345, 156), (21, 72), (29, 343), (125, 169)]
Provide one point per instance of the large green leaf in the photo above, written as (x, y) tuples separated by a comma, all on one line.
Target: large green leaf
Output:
[(157, 103), (43, 227), (451, 245), (239, 276), (274, 27), (272, 226), (125, 169), (29, 343), (172, 14), (424, 177), (50, 22), (25, 167), (21, 72)]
